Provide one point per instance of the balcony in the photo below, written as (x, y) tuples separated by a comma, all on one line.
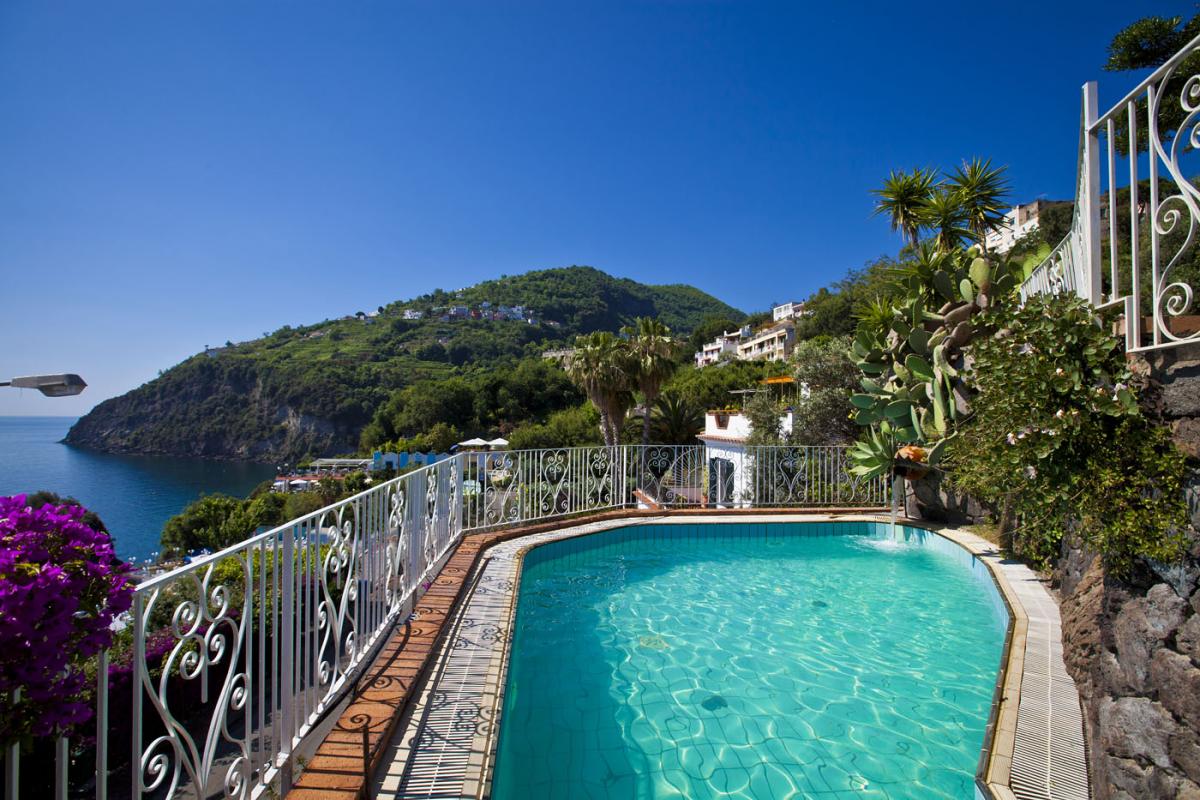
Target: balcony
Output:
[(243, 664)]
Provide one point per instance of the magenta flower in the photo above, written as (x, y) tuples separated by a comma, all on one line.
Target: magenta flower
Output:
[(61, 586)]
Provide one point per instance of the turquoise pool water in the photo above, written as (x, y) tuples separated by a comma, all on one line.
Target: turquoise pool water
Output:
[(749, 661)]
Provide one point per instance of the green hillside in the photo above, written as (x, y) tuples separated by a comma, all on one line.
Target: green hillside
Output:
[(310, 390)]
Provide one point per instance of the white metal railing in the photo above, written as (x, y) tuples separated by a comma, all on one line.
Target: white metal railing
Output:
[(1106, 257), (236, 656), (774, 477)]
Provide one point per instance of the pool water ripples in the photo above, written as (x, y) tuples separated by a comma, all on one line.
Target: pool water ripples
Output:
[(747, 661)]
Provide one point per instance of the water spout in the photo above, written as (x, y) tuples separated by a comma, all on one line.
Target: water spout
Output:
[(897, 488)]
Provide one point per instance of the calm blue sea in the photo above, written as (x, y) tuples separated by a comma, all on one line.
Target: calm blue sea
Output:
[(134, 495)]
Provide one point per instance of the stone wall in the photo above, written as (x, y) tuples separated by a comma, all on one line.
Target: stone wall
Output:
[(1133, 646)]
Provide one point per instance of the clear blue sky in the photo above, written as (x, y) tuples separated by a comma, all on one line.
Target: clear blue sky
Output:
[(177, 174)]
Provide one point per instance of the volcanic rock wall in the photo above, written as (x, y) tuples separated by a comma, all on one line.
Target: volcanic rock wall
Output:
[(1133, 646)]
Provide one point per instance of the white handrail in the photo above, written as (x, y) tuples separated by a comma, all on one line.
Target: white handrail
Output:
[(1169, 219), (237, 655)]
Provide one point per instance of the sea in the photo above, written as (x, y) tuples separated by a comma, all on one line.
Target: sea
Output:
[(133, 495)]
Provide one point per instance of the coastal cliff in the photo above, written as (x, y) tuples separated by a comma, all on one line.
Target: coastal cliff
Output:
[(309, 391), (209, 409)]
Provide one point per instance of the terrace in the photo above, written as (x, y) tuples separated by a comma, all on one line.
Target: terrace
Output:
[(285, 665)]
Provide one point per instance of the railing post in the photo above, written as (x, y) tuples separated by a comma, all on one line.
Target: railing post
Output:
[(1090, 199), (287, 646), (135, 678), (62, 760), (12, 762), (102, 726)]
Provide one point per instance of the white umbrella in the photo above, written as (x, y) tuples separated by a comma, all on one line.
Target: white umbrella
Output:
[(498, 443), (476, 442)]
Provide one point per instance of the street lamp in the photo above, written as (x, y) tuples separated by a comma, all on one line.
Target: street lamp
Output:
[(63, 385)]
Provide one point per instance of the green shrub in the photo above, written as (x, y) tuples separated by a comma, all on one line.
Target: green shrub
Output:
[(1056, 441), (822, 364), (572, 427)]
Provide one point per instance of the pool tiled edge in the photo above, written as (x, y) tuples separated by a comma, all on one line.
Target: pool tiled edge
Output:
[(444, 745)]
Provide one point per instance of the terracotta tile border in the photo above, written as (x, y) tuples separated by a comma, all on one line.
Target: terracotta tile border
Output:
[(388, 685)]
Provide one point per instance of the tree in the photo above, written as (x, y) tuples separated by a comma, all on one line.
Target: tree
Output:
[(830, 311), (442, 437), (203, 524), (601, 366), (571, 427), (1145, 44), (676, 419), (981, 191), (764, 414), (267, 509), (904, 197), (710, 387), (649, 347), (432, 351), (823, 417), (945, 215), (356, 482)]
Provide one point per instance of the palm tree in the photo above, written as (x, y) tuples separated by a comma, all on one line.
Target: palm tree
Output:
[(903, 198), (982, 191), (676, 420), (946, 216), (649, 343), (601, 366)]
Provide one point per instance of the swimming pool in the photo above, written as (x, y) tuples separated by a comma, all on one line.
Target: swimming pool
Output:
[(755, 661)]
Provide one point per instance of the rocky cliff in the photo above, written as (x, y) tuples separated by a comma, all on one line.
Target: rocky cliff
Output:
[(1133, 646), (212, 408)]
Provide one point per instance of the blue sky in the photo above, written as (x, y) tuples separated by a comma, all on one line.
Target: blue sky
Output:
[(179, 174)]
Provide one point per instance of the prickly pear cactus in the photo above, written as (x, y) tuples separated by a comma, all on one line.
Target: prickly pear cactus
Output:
[(911, 357)]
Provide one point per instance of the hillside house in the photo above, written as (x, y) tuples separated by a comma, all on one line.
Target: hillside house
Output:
[(790, 310), (724, 345), (773, 344), (1018, 223), (724, 438)]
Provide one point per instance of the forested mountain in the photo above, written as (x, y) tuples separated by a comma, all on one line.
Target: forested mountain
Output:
[(310, 390)]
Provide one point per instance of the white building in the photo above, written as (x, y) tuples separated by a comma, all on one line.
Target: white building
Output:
[(789, 310), (412, 313), (725, 344), (724, 439), (773, 344), (1019, 222)]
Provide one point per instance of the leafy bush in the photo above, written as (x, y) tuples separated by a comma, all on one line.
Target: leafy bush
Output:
[(829, 311), (710, 387), (763, 413), (485, 402), (572, 427), (823, 417), (1057, 442), (61, 585)]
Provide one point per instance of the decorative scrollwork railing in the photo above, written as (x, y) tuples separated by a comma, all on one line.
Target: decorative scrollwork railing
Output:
[(236, 656), (1132, 242)]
